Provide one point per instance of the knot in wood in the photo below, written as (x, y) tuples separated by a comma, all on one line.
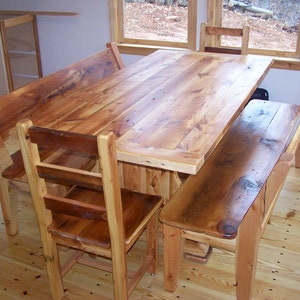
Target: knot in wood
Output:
[(227, 228)]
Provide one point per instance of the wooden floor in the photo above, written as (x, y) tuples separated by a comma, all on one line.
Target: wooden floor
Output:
[(22, 273)]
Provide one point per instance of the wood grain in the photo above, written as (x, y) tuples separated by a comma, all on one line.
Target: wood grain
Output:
[(215, 200), (168, 110)]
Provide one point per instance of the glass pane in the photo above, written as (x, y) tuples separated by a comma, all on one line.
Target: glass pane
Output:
[(162, 20), (273, 23)]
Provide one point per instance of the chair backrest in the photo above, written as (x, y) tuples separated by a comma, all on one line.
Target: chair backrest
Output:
[(210, 39), (103, 178)]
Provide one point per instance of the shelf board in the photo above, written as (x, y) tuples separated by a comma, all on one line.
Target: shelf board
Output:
[(46, 13)]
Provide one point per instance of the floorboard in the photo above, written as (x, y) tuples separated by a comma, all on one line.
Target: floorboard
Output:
[(23, 276)]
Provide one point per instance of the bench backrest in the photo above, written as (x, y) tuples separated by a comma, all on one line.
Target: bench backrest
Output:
[(20, 103)]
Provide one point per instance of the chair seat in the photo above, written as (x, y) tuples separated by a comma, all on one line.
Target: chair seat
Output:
[(137, 208)]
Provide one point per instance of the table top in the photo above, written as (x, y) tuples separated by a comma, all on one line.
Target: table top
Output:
[(168, 110)]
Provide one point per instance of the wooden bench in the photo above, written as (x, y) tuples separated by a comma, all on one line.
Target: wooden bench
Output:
[(229, 202), (23, 102)]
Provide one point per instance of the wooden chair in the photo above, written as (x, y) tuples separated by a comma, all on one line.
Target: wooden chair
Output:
[(36, 95), (210, 39), (96, 216)]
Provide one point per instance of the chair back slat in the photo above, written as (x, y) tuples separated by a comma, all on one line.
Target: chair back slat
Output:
[(219, 31), (70, 176), (76, 142), (223, 50)]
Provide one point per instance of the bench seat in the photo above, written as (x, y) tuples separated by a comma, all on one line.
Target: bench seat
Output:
[(229, 202)]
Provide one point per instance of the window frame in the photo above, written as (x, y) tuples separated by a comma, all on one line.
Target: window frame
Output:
[(144, 46), (214, 18), (282, 59)]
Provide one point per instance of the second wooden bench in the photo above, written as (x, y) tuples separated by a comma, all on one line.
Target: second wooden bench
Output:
[(229, 202), (30, 101)]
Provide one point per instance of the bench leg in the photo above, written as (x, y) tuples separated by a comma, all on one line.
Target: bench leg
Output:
[(173, 248), (248, 238), (9, 206)]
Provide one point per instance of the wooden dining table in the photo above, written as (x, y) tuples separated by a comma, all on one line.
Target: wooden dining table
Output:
[(168, 110)]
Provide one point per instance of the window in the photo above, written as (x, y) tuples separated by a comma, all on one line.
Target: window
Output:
[(142, 26), (273, 24), (170, 23)]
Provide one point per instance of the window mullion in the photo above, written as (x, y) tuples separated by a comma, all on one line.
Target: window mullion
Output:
[(192, 22), (114, 20), (298, 43)]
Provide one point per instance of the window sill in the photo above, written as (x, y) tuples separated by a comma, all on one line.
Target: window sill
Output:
[(286, 63), (139, 49)]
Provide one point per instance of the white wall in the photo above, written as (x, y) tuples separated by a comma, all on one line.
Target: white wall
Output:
[(283, 85), (64, 40)]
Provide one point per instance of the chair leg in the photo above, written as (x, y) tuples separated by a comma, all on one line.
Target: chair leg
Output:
[(53, 266), (119, 273), (9, 206), (152, 244), (173, 248)]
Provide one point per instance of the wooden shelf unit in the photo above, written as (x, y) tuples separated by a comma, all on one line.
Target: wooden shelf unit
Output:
[(20, 61)]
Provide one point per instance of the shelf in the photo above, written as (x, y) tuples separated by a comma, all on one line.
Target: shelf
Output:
[(20, 61)]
